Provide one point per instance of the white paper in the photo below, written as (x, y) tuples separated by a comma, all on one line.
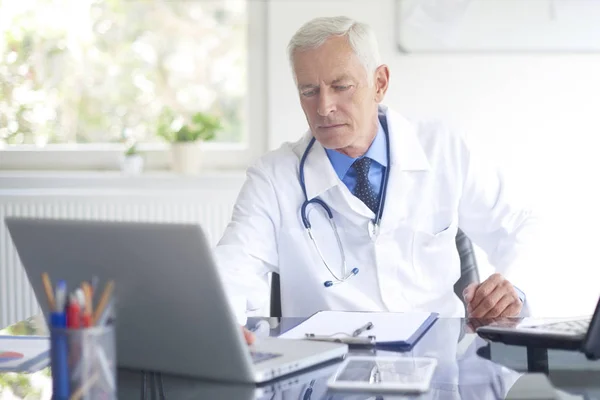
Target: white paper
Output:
[(387, 327), (30, 348)]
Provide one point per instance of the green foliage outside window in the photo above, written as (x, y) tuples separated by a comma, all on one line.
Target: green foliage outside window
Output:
[(98, 71), (26, 386)]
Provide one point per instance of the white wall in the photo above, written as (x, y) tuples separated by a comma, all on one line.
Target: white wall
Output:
[(537, 116)]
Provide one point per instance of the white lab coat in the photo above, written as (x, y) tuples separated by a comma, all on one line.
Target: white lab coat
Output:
[(435, 184)]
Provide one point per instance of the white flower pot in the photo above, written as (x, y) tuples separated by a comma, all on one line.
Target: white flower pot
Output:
[(186, 157), (132, 165)]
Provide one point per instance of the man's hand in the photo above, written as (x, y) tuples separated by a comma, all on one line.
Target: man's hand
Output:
[(249, 336), (493, 298)]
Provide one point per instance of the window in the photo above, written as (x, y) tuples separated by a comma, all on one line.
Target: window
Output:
[(89, 75)]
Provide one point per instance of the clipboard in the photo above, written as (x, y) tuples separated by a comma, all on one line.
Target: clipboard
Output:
[(398, 331)]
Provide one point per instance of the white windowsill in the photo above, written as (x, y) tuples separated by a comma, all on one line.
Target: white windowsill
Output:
[(159, 181), (108, 157)]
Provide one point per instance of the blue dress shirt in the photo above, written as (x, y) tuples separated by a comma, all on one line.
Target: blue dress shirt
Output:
[(377, 152)]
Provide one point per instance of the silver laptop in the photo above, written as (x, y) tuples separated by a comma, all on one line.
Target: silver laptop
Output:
[(172, 314)]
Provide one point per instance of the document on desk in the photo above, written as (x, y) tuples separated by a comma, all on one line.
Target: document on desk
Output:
[(24, 353), (386, 328)]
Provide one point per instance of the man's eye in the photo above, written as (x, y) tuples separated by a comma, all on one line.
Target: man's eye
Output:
[(309, 93), (342, 88)]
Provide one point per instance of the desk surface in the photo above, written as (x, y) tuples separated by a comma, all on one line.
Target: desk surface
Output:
[(468, 368)]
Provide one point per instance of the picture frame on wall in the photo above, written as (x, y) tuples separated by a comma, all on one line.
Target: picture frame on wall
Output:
[(473, 26)]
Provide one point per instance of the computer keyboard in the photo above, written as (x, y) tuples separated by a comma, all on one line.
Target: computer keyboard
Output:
[(576, 327), (258, 356)]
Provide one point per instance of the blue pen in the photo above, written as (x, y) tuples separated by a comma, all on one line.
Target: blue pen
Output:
[(94, 283), (59, 354), (60, 296)]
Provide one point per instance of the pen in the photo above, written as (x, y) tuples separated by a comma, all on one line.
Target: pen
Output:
[(85, 318), (61, 297), (365, 327), (80, 297), (349, 340), (59, 346), (93, 288), (94, 283), (76, 348), (73, 313)]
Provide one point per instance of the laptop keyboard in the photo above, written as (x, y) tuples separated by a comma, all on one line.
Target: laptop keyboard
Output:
[(258, 356), (575, 327)]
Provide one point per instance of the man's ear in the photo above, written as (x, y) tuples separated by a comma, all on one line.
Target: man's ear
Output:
[(382, 81)]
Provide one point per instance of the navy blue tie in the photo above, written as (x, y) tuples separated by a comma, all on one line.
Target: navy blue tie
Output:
[(364, 190)]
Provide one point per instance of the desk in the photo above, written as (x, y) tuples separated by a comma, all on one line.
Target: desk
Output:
[(469, 368)]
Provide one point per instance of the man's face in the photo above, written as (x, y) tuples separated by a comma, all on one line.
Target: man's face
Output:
[(340, 107)]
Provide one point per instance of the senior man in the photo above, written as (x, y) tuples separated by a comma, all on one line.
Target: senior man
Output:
[(361, 213)]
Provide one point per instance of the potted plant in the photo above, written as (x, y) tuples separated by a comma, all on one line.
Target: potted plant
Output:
[(132, 162), (185, 138)]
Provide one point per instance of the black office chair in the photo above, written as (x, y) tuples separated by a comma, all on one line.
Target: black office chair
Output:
[(468, 264), (468, 273)]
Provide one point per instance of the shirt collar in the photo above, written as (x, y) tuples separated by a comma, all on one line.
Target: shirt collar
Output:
[(377, 152)]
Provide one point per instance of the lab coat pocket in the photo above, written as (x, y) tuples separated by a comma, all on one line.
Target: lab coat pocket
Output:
[(435, 258)]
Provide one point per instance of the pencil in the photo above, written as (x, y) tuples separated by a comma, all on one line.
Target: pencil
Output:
[(87, 291), (49, 291), (86, 315), (78, 394), (103, 301)]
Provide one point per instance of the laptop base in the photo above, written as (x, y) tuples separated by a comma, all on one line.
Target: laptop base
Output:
[(526, 339)]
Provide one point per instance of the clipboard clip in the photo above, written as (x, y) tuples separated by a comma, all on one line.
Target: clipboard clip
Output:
[(366, 341)]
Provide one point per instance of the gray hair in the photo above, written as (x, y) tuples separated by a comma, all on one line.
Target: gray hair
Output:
[(361, 37)]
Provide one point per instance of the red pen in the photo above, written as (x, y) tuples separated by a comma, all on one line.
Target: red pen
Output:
[(73, 313), (86, 319), (86, 315)]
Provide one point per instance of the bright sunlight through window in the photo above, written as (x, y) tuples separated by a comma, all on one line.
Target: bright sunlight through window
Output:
[(107, 71)]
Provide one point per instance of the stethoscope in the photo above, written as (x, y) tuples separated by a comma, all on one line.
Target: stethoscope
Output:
[(374, 224)]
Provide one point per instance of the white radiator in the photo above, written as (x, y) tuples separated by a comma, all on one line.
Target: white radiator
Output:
[(211, 208)]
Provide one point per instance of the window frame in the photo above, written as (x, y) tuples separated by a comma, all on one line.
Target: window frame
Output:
[(215, 155)]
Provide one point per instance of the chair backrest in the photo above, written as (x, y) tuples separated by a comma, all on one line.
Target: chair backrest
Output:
[(468, 264), (468, 273), (275, 295)]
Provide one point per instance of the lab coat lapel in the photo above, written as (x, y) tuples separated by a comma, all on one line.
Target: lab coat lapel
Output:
[(319, 175), (322, 181), (407, 164)]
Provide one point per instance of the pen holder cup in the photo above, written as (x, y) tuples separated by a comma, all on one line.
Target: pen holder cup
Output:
[(83, 363)]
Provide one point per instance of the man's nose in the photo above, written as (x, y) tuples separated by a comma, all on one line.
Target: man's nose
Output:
[(326, 104)]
